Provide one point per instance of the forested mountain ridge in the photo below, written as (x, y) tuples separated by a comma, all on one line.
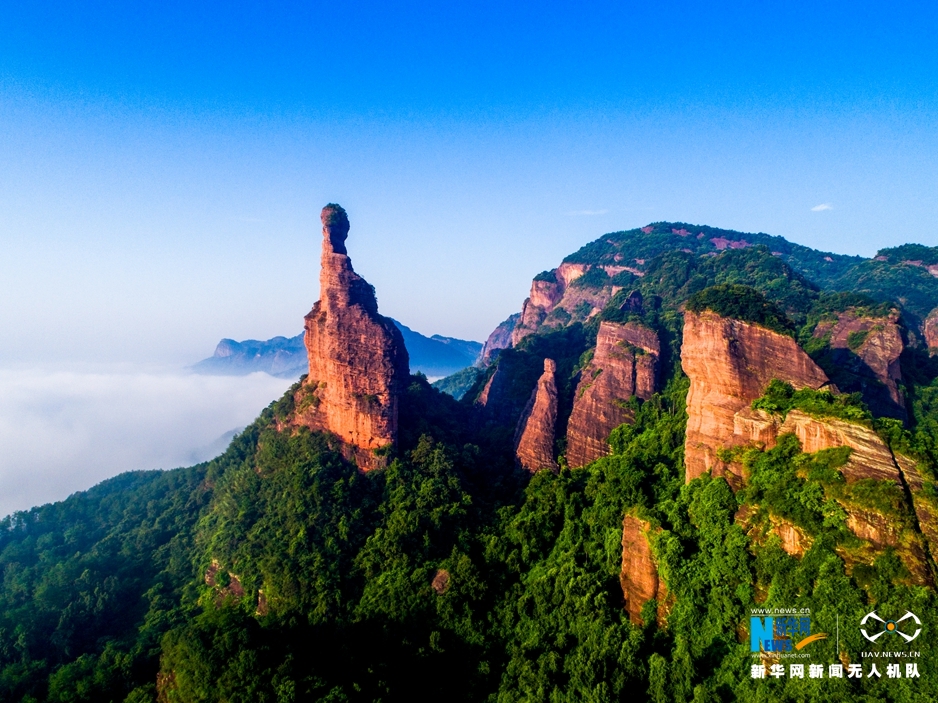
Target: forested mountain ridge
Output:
[(280, 571)]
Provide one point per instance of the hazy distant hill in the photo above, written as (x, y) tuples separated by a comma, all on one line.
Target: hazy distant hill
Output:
[(286, 357)]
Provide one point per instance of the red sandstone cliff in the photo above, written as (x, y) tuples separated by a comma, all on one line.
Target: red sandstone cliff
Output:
[(930, 330), (624, 364), (534, 437), (358, 365), (557, 302), (730, 363), (867, 349), (639, 576)]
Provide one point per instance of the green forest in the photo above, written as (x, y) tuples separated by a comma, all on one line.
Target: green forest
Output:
[(279, 573)]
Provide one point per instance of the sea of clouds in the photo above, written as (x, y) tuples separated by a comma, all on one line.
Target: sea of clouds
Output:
[(63, 431)]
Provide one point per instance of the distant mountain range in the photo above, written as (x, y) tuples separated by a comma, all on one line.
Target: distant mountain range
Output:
[(285, 357)]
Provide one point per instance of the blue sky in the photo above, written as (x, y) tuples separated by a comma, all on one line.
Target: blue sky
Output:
[(162, 165)]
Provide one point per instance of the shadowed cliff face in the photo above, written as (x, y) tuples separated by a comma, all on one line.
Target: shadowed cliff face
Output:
[(358, 365), (865, 352), (730, 364), (624, 364), (534, 438)]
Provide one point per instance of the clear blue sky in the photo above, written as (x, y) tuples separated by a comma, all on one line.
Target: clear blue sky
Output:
[(162, 165)]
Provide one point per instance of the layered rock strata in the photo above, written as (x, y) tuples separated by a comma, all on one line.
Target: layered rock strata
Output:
[(534, 437), (866, 351), (358, 365), (624, 364), (869, 456), (730, 363), (639, 575)]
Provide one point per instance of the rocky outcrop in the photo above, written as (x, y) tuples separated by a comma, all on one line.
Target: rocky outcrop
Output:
[(794, 540), (869, 458), (554, 301), (730, 363), (639, 575), (534, 438), (930, 330), (358, 365), (624, 364), (499, 339), (866, 350)]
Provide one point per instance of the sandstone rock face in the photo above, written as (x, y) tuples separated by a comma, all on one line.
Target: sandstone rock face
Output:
[(873, 363), (556, 302), (639, 575), (930, 329), (794, 541), (624, 364), (873, 528), (730, 363), (870, 458), (358, 365), (534, 438), (499, 339)]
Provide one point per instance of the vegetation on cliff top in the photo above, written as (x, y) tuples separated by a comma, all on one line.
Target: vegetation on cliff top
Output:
[(742, 303), (780, 398)]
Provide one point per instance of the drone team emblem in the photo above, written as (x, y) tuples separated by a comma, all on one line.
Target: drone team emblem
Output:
[(890, 626)]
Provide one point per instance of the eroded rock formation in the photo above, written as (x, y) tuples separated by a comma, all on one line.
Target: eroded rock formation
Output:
[(730, 363), (358, 365), (555, 301), (625, 363), (639, 576), (499, 339), (794, 540), (534, 438), (866, 352), (930, 330), (870, 458)]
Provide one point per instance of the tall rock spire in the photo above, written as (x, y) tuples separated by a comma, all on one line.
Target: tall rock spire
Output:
[(358, 365)]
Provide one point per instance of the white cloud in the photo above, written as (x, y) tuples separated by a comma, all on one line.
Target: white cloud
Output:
[(822, 207), (578, 213), (64, 431)]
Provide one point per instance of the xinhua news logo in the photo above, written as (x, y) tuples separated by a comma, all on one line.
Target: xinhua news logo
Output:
[(778, 634)]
